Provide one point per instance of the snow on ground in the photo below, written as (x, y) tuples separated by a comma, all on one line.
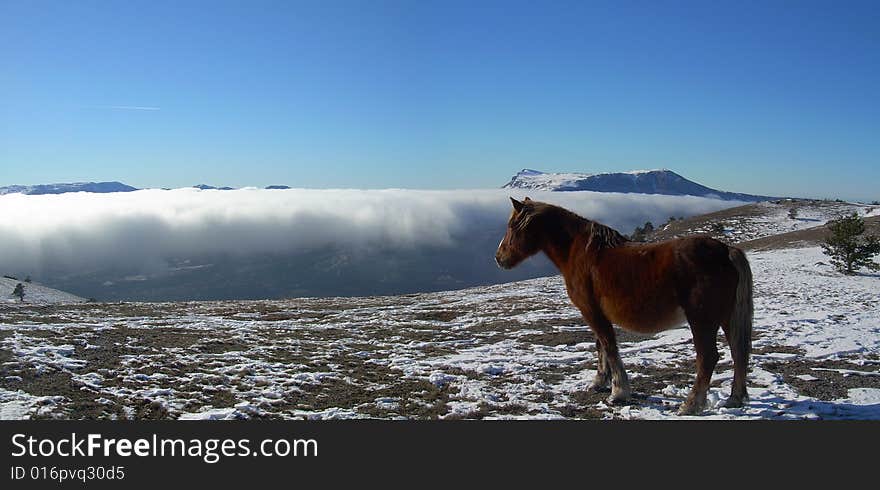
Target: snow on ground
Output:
[(823, 313), (514, 350), (34, 293)]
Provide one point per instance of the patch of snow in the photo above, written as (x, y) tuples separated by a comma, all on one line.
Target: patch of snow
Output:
[(865, 396), (19, 405)]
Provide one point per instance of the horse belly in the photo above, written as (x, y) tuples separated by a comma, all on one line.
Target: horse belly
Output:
[(648, 320)]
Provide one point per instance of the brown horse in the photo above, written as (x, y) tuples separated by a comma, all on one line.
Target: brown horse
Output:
[(645, 287)]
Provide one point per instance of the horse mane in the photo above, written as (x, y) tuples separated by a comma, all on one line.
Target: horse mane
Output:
[(604, 236), (600, 236)]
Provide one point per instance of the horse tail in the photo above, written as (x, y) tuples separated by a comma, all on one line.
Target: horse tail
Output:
[(740, 325)]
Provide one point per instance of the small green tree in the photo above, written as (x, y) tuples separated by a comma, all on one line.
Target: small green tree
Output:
[(641, 232), (19, 291), (792, 213), (848, 249)]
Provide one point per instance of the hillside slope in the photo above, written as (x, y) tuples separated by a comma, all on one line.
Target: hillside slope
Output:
[(751, 222), (34, 293)]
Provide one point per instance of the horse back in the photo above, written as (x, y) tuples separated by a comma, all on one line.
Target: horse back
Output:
[(655, 286)]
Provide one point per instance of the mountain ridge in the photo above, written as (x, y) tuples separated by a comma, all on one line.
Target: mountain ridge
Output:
[(656, 181), (98, 188), (64, 188)]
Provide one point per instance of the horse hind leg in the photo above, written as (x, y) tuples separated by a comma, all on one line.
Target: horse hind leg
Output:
[(705, 338), (738, 392)]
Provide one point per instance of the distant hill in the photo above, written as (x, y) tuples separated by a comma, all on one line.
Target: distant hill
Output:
[(96, 187), (34, 293), (206, 187), (637, 181), (211, 187)]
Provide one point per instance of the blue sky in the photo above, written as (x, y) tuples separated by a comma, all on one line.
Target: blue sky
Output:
[(763, 97)]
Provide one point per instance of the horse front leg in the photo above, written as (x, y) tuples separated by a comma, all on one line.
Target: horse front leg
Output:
[(603, 370), (607, 341)]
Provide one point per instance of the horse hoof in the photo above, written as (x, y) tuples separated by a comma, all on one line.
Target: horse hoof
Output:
[(618, 399), (692, 407), (688, 409), (734, 402), (598, 388)]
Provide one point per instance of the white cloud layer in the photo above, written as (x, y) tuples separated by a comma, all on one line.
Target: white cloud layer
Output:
[(82, 231)]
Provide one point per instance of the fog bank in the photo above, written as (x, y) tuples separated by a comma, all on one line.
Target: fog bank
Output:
[(150, 231)]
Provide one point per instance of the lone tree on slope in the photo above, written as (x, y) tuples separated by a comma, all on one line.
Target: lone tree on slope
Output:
[(19, 291), (642, 232), (848, 249)]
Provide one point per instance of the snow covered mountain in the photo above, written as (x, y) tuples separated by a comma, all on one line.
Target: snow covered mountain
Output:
[(96, 187), (661, 181)]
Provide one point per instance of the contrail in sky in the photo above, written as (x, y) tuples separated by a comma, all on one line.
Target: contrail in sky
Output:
[(134, 108)]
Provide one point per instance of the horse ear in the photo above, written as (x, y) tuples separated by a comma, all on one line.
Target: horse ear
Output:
[(527, 199), (517, 205)]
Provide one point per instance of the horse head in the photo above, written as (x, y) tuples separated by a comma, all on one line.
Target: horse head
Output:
[(520, 241)]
